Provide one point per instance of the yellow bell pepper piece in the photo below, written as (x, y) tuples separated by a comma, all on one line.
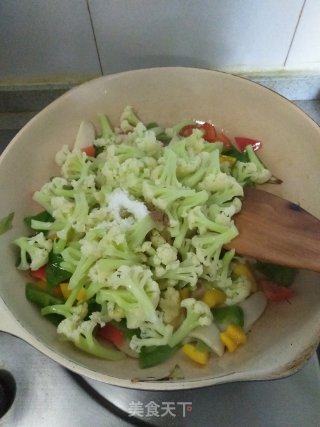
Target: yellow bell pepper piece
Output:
[(184, 293), (244, 270), (82, 295), (228, 159), (213, 297), (201, 357), (64, 289), (232, 337)]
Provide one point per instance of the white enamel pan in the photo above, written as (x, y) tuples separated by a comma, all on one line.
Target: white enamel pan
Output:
[(288, 333)]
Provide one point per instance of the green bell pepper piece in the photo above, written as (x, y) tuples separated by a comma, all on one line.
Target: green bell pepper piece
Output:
[(224, 316), (152, 356)]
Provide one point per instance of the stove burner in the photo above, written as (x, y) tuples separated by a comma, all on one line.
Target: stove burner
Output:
[(7, 391), (105, 403)]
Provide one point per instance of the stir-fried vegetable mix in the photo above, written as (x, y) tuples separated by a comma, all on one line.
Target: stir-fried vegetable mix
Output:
[(127, 255)]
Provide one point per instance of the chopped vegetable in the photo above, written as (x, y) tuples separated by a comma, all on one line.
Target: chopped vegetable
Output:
[(196, 355), (208, 129), (210, 335), (232, 337), (43, 216), (152, 356), (6, 223), (129, 243), (222, 137), (111, 333), (85, 137), (55, 274), (280, 274), (39, 274), (122, 326), (275, 292), (244, 270), (184, 293), (40, 297), (213, 297), (34, 251), (251, 171), (253, 307), (66, 292), (242, 143), (90, 150), (229, 160), (224, 316), (198, 314), (81, 333)]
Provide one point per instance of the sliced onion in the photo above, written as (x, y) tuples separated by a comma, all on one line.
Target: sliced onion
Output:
[(125, 348), (253, 307), (210, 335), (85, 136)]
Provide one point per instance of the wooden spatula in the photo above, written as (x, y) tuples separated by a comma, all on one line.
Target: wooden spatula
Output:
[(274, 230)]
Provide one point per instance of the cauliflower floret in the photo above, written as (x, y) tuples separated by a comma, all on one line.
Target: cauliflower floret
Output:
[(152, 334), (165, 255), (61, 206), (128, 119), (195, 143), (252, 171), (81, 332), (56, 187), (237, 290), (170, 304), (156, 239), (69, 327), (34, 251), (186, 272), (133, 290), (198, 314), (62, 155)]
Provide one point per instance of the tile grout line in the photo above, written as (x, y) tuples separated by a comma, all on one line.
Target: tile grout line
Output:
[(94, 36), (294, 33)]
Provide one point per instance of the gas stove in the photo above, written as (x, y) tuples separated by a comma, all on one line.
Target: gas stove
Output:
[(49, 395)]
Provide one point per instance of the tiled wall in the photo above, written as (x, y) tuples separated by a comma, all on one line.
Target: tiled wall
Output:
[(56, 40)]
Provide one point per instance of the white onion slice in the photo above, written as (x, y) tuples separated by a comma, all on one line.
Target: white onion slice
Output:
[(210, 336), (85, 136), (253, 307)]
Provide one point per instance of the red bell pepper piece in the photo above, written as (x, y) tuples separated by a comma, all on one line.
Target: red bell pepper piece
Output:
[(209, 131), (90, 150), (275, 292), (242, 142), (223, 138), (111, 333), (39, 274)]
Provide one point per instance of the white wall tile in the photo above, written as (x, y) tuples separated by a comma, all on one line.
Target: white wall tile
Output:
[(241, 35), (46, 39), (305, 50)]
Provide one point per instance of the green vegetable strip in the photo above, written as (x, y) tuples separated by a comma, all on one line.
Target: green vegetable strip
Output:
[(106, 129), (224, 316), (102, 351), (6, 223), (40, 297), (152, 356), (277, 273), (54, 273)]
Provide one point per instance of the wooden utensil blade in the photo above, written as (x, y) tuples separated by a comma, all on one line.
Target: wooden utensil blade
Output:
[(272, 229)]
